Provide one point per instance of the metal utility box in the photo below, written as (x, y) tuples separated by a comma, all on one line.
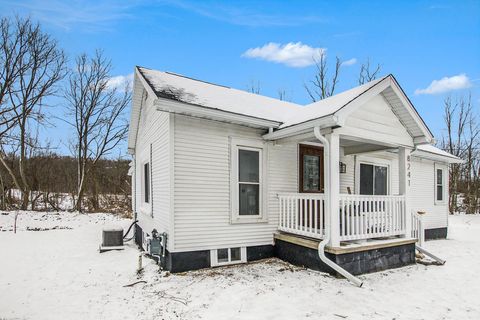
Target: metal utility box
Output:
[(112, 237), (155, 247)]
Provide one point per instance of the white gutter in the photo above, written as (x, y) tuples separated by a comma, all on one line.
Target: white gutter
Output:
[(326, 240), (325, 122)]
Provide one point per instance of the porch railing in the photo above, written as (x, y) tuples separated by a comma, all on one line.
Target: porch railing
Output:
[(302, 214), (366, 217), (360, 216), (418, 232)]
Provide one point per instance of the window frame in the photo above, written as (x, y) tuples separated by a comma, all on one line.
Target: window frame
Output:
[(374, 162), (214, 256), (145, 207), (146, 196), (237, 144), (436, 184)]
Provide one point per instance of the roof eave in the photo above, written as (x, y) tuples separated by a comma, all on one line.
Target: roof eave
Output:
[(324, 122), (136, 108), (436, 157), (183, 108)]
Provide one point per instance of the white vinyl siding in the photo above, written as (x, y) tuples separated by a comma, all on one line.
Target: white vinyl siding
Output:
[(202, 186), (423, 192), (153, 147), (376, 121)]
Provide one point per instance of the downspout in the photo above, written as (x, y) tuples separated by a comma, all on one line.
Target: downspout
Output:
[(326, 240)]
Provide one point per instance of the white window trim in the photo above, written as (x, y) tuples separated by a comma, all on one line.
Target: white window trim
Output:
[(145, 207), (255, 145), (214, 257), (375, 162), (439, 167), (144, 193)]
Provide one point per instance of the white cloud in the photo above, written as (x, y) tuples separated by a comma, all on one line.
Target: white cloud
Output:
[(446, 84), (349, 62), (119, 82), (291, 54)]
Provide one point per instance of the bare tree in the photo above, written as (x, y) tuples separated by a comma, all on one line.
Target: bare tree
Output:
[(13, 46), (33, 67), (462, 140), (368, 74), (97, 114), (254, 87), (323, 85), (282, 95)]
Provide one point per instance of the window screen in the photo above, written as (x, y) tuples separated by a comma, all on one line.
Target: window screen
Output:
[(146, 181), (249, 182)]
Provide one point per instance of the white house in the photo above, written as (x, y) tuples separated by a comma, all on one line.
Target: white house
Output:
[(231, 176)]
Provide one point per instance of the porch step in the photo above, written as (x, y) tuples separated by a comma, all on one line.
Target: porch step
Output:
[(344, 247)]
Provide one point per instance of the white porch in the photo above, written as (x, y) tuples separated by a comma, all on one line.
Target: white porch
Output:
[(351, 219), (360, 217)]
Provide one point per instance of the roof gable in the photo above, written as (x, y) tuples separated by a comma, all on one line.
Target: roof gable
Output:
[(377, 117), (176, 93)]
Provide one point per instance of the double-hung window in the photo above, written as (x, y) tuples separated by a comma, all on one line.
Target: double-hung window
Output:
[(247, 162), (248, 182), (439, 185)]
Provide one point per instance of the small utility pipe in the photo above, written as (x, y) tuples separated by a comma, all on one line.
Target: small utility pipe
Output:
[(431, 255), (326, 240)]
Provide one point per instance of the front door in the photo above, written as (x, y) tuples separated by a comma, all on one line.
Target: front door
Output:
[(310, 180), (311, 169)]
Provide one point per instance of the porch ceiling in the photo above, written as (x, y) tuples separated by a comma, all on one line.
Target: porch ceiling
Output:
[(353, 145), (356, 147)]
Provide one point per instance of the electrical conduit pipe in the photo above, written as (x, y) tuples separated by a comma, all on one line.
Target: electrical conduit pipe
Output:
[(326, 240)]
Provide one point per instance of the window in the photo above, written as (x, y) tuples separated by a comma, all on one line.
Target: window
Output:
[(247, 167), (146, 182), (222, 255), (249, 182), (311, 169), (373, 179), (225, 256), (439, 185)]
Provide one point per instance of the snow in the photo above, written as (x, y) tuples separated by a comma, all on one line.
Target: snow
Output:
[(59, 274), (219, 97), (432, 149), (241, 102)]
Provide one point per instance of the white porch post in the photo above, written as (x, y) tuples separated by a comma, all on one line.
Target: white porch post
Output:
[(333, 186), (404, 185)]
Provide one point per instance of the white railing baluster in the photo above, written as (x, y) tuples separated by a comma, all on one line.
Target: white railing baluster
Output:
[(361, 216)]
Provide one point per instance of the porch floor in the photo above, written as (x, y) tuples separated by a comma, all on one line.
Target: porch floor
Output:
[(345, 247)]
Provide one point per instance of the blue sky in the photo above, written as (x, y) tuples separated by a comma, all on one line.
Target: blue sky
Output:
[(432, 47)]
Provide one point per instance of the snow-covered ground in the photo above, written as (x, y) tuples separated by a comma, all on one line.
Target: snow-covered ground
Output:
[(59, 274)]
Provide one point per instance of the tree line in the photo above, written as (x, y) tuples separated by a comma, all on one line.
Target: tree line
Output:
[(37, 82)]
